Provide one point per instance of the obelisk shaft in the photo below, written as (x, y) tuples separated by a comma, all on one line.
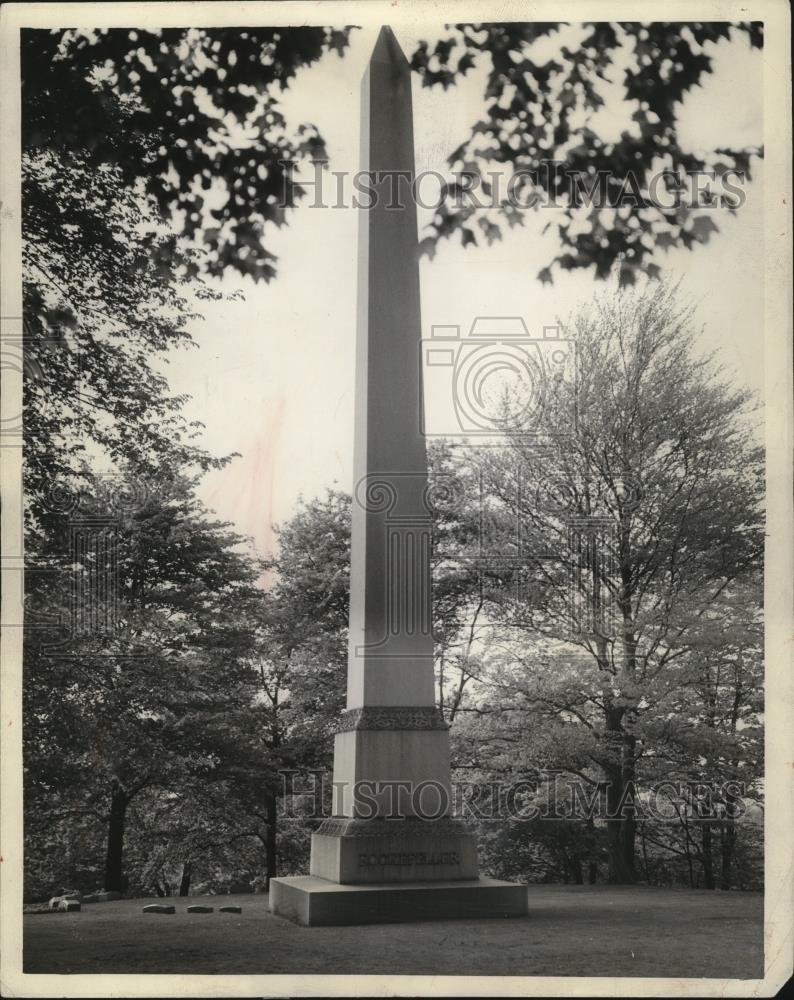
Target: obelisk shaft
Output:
[(392, 838), (391, 645), (391, 752)]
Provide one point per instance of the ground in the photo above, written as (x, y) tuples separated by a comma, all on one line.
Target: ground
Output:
[(571, 931)]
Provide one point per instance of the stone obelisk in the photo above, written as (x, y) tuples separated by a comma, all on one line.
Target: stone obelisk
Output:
[(392, 848)]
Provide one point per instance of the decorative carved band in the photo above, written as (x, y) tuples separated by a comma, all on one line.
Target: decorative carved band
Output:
[(408, 827), (398, 718)]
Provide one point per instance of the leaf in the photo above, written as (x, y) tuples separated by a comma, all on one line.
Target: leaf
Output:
[(491, 230), (427, 247), (702, 227), (664, 240)]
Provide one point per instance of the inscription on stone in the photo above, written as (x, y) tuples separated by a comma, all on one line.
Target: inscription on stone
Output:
[(381, 860)]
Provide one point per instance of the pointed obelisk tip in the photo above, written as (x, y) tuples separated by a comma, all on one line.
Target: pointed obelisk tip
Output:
[(387, 48)]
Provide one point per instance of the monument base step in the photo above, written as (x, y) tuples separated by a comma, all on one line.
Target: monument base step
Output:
[(313, 901)]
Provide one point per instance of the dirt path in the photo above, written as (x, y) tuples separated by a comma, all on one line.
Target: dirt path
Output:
[(571, 930)]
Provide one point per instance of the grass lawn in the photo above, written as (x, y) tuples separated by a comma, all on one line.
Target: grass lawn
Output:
[(571, 931)]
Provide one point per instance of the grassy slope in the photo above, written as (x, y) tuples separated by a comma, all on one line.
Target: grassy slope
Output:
[(571, 930)]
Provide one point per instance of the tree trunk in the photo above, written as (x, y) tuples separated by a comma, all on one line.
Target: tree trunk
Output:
[(592, 872), (620, 834), (271, 865), (621, 872), (184, 885), (727, 848), (688, 854), (629, 830), (645, 857), (706, 859), (114, 877)]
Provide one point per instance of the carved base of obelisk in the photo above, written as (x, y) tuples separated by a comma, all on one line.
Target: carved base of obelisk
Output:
[(355, 851)]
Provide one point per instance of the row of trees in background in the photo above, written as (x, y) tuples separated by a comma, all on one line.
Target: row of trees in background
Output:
[(597, 602), (165, 690)]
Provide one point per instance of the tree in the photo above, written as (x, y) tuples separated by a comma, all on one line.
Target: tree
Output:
[(716, 749), (109, 285), (458, 599), (540, 122), (177, 112), (102, 304), (118, 231), (635, 517), (136, 688), (299, 659)]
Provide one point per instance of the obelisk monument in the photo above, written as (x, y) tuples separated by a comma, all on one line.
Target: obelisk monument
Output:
[(392, 849)]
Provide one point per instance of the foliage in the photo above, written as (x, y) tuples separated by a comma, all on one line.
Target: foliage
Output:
[(543, 94), (172, 170), (136, 684), (190, 117), (627, 622)]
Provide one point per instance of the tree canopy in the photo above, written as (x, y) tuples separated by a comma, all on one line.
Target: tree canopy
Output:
[(541, 121), (192, 119), (633, 519)]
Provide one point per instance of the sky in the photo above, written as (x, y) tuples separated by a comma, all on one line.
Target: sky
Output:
[(272, 375)]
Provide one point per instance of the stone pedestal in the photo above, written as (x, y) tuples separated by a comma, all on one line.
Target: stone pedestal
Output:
[(316, 902), (392, 761)]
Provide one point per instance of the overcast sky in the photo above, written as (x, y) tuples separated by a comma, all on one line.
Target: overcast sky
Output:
[(272, 377)]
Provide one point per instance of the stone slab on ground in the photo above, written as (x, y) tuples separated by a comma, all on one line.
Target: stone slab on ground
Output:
[(317, 902), (57, 901), (159, 908), (198, 908), (230, 909)]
